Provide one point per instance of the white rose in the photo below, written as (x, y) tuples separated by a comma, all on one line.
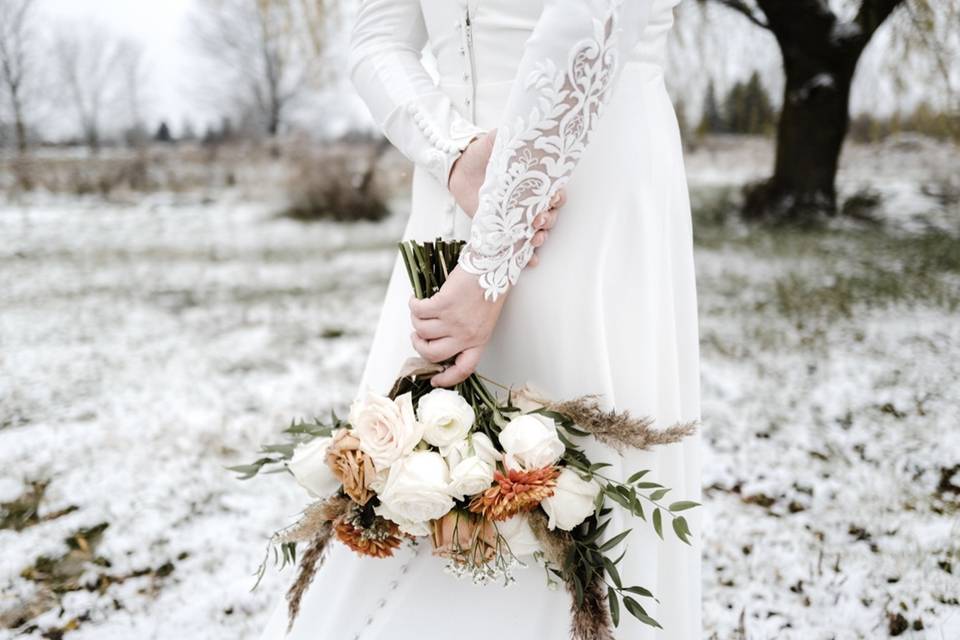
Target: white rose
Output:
[(417, 489), (309, 467), (446, 417), (531, 442), (379, 481), (518, 536), (387, 429), (471, 476), (572, 501)]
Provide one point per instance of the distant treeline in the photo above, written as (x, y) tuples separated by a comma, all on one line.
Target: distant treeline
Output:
[(924, 120), (747, 108)]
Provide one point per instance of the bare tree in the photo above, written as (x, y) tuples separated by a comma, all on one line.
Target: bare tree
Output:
[(131, 81), (821, 43), (16, 61), (267, 52), (88, 64)]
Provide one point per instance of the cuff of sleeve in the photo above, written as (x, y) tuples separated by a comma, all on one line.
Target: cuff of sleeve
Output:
[(445, 147)]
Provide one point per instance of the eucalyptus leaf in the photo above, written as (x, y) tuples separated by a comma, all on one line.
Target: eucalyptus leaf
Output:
[(613, 603), (611, 570), (658, 494), (614, 541)]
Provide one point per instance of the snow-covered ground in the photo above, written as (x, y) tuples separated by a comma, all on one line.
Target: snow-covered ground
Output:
[(143, 348)]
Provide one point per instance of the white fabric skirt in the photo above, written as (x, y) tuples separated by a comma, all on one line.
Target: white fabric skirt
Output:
[(610, 310)]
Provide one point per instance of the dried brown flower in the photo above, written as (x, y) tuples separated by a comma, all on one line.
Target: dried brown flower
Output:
[(378, 540), (309, 564), (314, 518), (619, 429), (351, 466), (556, 543), (465, 538), (591, 619), (515, 492)]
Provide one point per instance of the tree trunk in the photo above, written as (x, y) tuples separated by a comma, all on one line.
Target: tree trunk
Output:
[(19, 128), (820, 55), (813, 124)]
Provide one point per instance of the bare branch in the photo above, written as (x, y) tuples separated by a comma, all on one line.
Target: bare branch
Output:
[(872, 14), (741, 7)]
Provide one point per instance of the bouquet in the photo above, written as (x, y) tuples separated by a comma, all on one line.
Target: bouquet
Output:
[(493, 479)]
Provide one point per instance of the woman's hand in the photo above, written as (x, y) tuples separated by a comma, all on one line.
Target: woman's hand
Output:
[(457, 321), (466, 178)]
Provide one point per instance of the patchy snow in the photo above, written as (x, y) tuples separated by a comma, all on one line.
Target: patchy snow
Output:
[(146, 347)]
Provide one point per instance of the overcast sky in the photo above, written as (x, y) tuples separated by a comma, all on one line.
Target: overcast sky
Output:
[(161, 25), (174, 92)]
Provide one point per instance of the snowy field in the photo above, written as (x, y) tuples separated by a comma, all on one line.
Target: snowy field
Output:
[(143, 347)]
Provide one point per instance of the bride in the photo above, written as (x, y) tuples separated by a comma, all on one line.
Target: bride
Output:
[(540, 104)]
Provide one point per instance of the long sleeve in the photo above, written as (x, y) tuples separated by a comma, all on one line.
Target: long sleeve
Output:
[(414, 114), (567, 73)]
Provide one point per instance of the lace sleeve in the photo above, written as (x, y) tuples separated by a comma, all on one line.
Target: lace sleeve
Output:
[(565, 78), (415, 115)]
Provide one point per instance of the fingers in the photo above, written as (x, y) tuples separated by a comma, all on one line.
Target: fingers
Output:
[(424, 309), (435, 350), (465, 365), (559, 199), (534, 260), (539, 238), (431, 329)]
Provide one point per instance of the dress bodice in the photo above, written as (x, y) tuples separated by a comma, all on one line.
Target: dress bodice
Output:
[(494, 32), (539, 71)]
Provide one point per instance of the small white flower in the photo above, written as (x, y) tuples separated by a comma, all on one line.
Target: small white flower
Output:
[(446, 417), (309, 467), (572, 500), (387, 429), (531, 442)]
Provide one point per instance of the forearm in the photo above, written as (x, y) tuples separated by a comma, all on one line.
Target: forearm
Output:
[(414, 114), (565, 78)]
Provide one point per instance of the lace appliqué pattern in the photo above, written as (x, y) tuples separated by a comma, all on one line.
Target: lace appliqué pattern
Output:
[(539, 154)]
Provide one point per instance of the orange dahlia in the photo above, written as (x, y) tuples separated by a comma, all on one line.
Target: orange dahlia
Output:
[(515, 492), (379, 540)]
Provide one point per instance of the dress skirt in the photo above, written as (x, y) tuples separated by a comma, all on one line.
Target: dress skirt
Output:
[(610, 310)]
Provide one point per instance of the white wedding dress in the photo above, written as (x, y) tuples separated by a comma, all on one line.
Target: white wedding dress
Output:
[(576, 91)]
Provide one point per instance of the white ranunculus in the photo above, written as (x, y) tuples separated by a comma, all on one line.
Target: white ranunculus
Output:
[(475, 444), (472, 462), (417, 488), (470, 476), (309, 467), (518, 536), (409, 527), (531, 442), (572, 500), (387, 429), (446, 417)]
